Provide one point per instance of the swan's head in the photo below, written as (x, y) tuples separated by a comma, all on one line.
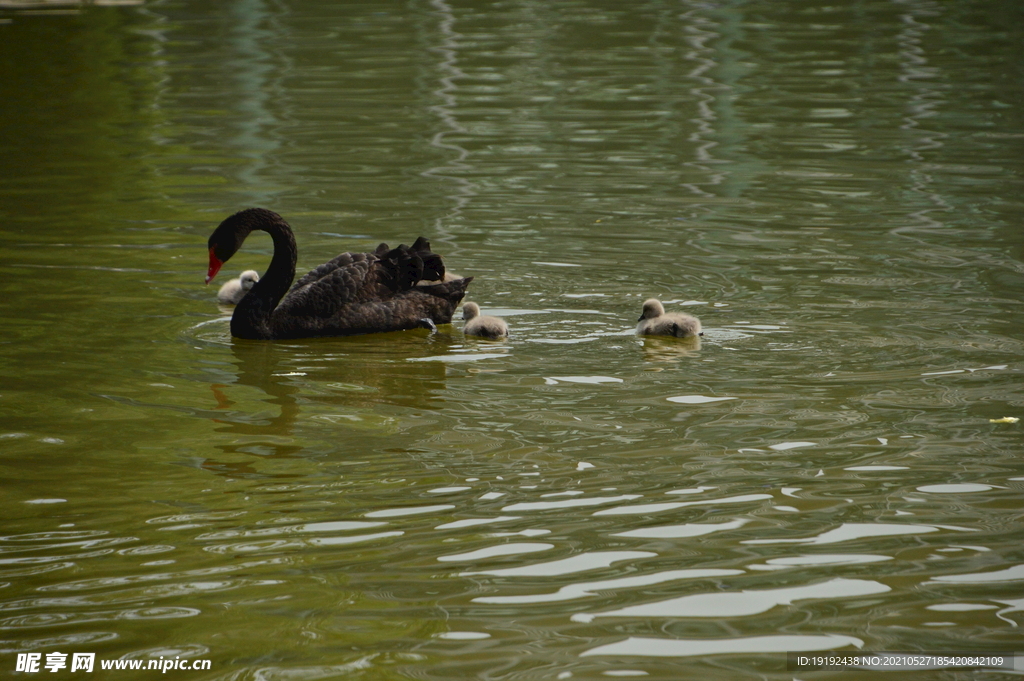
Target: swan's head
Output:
[(470, 310), (652, 309), (248, 278), (229, 235)]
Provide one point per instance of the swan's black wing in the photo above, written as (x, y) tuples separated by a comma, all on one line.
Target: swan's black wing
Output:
[(329, 287), (367, 293), (400, 265), (351, 279)]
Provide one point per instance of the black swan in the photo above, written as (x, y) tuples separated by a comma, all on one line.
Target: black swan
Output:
[(352, 294), (654, 322), (233, 291), (476, 325)]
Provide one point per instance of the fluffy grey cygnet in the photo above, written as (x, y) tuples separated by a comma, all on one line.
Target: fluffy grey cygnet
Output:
[(477, 325), (233, 291), (654, 322)]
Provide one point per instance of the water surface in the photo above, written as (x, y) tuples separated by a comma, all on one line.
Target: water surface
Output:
[(834, 189)]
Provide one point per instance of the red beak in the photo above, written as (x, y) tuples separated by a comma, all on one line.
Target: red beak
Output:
[(215, 265)]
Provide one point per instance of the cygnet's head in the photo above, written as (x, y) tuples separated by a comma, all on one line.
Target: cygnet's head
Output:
[(652, 309), (248, 278), (470, 310)]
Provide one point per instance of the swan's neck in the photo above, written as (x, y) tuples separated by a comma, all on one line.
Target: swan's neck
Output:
[(252, 316)]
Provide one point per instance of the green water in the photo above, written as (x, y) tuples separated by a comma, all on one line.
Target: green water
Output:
[(834, 189)]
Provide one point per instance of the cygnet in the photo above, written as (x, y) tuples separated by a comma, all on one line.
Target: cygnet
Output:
[(654, 322), (477, 325), (234, 290)]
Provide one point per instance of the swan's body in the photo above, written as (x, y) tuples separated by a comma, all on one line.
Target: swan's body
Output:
[(477, 325), (655, 322), (231, 292), (354, 293)]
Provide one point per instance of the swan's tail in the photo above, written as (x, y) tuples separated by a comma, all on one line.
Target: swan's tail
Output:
[(452, 291), (446, 296)]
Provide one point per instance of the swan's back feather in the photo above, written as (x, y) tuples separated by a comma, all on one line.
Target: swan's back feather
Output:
[(342, 261), (328, 287), (399, 269), (368, 292)]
